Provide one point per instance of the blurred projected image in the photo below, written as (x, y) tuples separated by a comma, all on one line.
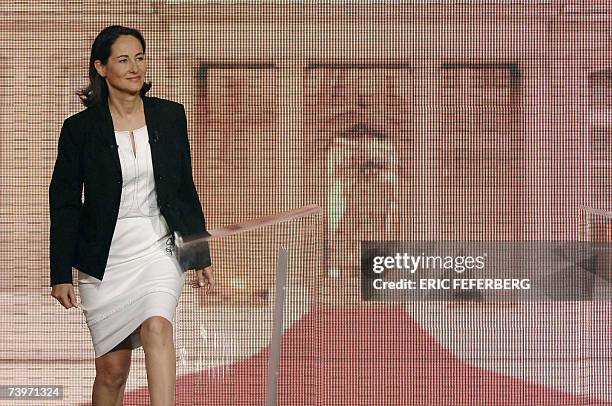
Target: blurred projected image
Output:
[(362, 200)]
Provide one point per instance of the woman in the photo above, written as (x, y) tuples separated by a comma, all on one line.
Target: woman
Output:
[(131, 154)]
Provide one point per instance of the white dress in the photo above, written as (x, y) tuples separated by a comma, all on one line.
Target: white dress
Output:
[(142, 277)]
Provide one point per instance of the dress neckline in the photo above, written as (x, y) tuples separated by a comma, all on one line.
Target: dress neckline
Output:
[(127, 131)]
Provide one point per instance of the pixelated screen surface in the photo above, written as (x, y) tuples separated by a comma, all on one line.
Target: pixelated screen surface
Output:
[(421, 121)]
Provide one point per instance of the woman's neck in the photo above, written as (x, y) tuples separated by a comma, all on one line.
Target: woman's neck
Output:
[(125, 107)]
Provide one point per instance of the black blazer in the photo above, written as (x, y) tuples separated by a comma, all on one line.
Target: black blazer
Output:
[(88, 158)]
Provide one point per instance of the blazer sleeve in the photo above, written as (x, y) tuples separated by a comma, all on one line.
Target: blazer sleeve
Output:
[(65, 206), (189, 194)]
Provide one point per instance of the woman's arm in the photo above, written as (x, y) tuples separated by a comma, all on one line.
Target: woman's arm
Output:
[(189, 194), (65, 205)]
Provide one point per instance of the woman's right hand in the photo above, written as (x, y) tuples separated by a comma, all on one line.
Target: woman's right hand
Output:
[(64, 293)]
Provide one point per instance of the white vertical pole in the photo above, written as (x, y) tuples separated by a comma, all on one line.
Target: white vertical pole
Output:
[(277, 328)]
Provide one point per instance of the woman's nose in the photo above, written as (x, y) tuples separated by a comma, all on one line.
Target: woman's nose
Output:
[(133, 66)]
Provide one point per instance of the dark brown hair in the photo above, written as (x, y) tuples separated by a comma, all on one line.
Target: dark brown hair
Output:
[(97, 89)]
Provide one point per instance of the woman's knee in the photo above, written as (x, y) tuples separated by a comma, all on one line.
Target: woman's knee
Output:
[(155, 326), (113, 368)]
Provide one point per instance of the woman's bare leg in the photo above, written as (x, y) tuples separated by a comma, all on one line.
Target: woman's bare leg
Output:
[(160, 359), (112, 370)]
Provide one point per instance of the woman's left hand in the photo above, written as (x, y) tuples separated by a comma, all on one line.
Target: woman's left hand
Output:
[(204, 278)]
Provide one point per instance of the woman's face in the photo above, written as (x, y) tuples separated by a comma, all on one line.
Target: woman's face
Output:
[(126, 66)]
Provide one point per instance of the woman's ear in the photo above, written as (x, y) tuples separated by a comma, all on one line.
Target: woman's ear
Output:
[(100, 68)]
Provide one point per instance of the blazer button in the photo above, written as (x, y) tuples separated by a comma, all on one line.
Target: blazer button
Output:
[(118, 182)]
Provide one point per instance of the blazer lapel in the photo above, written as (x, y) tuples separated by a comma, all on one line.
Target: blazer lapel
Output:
[(106, 130), (153, 130)]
